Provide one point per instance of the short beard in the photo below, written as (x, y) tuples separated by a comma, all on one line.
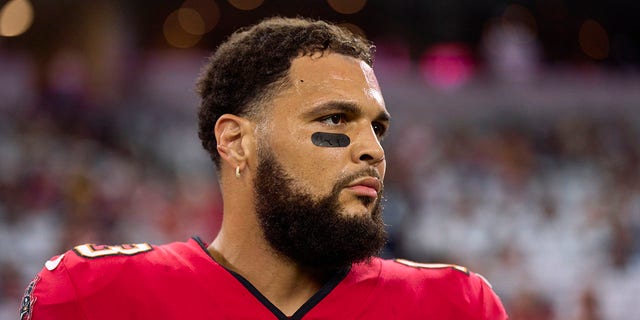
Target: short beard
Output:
[(314, 233)]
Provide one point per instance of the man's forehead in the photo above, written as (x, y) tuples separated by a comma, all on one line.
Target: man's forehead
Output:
[(332, 66), (336, 76)]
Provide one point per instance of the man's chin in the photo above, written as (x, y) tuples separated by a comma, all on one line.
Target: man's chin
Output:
[(353, 202)]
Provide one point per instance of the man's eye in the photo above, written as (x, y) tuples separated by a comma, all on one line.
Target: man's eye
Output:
[(379, 129), (334, 119)]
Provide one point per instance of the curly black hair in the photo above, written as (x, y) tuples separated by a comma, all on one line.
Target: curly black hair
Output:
[(244, 71)]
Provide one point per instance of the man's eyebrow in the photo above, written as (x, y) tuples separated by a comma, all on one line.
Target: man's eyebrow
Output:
[(384, 116), (343, 107)]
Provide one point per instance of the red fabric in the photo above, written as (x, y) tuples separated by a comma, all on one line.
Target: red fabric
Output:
[(181, 281), (385, 289)]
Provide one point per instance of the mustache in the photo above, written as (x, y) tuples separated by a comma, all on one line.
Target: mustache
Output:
[(346, 181)]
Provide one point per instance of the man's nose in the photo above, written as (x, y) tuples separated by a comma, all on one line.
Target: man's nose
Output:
[(367, 147)]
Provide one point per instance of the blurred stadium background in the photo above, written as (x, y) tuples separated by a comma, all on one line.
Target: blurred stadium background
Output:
[(514, 148)]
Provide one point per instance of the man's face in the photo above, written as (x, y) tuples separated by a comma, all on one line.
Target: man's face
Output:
[(319, 203), (330, 94)]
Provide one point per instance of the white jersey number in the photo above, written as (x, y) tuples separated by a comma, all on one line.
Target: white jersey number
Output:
[(96, 251)]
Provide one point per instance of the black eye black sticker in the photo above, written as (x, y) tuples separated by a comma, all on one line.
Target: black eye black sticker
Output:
[(330, 140)]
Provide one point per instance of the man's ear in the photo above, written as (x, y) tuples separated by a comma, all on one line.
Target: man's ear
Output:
[(230, 130)]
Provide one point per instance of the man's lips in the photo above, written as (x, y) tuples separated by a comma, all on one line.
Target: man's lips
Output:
[(367, 187)]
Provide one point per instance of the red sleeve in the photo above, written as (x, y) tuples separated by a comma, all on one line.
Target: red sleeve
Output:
[(51, 294), (470, 294), (489, 304), (452, 292)]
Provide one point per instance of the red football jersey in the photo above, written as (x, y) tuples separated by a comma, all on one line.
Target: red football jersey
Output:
[(182, 281)]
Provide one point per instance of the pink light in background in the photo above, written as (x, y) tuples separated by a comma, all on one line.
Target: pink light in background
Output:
[(447, 65)]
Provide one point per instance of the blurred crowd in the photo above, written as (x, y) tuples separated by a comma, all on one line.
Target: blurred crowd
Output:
[(77, 169), (548, 209)]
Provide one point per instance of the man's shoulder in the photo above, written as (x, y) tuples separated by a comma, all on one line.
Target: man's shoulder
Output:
[(431, 283), (90, 279), (401, 274), (410, 271), (94, 257), (93, 265), (449, 276), (402, 267)]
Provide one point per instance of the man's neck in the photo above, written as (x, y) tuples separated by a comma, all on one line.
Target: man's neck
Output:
[(284, 283)]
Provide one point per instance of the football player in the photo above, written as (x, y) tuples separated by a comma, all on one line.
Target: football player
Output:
[(293, 118)]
